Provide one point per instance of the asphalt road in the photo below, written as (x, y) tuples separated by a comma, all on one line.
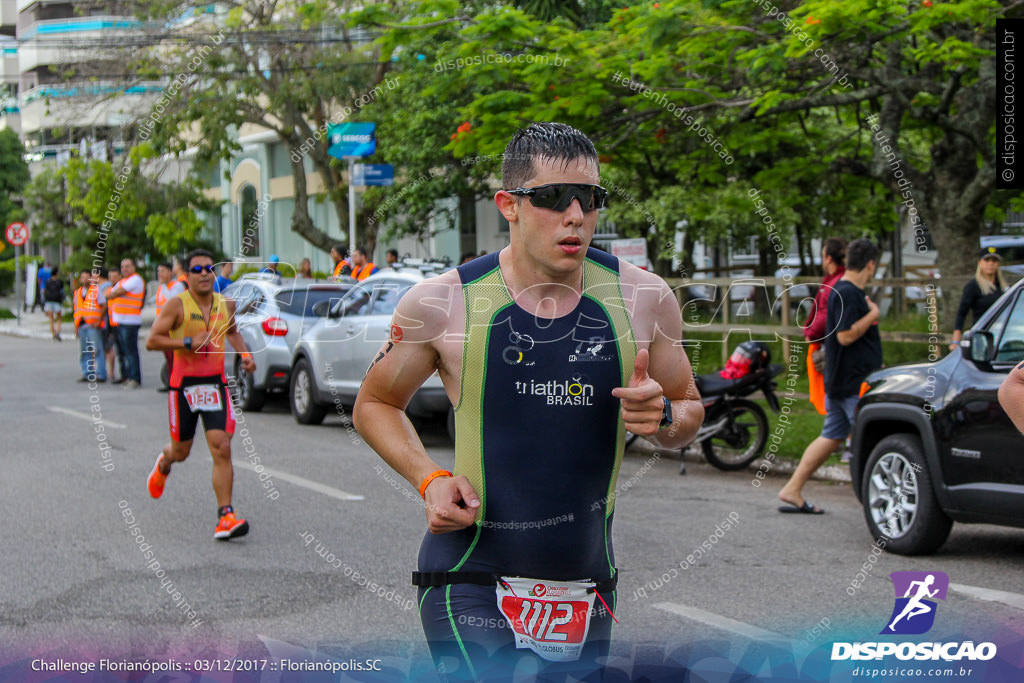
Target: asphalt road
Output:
[(769, 594)]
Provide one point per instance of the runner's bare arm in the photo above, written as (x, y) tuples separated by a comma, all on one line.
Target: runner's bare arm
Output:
[(234, 338), (170, 316), (403, 364), (662, 370), (1011, 396)]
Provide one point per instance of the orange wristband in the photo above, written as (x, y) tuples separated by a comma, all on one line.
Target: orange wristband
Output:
[(246, 354), (431, 477)]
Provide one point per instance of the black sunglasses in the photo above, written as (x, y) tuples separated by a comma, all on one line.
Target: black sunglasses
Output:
[(200, 269), (559, 196)]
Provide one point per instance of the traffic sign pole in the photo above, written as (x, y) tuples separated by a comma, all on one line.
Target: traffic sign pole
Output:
[(351, 207), (19, 303)]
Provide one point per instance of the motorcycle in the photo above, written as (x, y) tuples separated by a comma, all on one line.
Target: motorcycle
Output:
[(735, 429)]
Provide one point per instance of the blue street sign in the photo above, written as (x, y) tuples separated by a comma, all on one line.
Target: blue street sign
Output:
[(373, 174), (351, 140)]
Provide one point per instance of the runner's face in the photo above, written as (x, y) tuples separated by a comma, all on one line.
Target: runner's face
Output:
[(200, 283), (556, 241)]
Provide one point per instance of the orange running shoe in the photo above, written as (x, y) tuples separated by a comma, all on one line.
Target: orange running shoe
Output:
[(230, 527), (157, 479)]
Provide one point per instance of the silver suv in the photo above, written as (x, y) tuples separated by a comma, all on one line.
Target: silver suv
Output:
[(332, 357), (271, 315)]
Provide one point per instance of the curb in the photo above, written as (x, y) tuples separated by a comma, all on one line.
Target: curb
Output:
[(22, 332), (778, 467)]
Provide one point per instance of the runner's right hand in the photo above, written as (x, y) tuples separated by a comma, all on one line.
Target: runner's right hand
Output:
[(201, 340), (451, 504)]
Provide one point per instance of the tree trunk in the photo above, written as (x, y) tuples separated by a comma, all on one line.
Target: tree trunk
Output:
[(302, 224)]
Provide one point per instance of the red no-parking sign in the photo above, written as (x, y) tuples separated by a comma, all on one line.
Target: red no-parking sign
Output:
[(17, 234)]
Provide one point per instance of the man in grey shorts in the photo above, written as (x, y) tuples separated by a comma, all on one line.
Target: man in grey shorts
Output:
[(853, 350)]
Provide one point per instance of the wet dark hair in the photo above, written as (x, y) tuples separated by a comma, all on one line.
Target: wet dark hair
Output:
[(393, 252), (860, 252), (359, 250), (556, 141), (194, 253), (836, 248), (340, 248)]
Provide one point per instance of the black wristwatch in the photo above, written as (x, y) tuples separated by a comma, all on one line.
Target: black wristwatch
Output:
[(188, 343), (666, 415)]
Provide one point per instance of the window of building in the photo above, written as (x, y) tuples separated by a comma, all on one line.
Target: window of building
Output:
[(250, 221)]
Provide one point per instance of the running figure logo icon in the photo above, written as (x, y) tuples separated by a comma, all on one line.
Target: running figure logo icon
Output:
[(916, 592)]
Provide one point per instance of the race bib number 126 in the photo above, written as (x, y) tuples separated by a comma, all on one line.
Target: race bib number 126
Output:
[(203, 397), (552, 618)]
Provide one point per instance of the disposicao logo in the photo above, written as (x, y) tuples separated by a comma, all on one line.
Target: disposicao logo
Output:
[(913, 614), (916, 593)]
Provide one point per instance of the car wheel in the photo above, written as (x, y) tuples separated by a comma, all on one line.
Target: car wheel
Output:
[(899, 503), (248, 396), (302, 395)]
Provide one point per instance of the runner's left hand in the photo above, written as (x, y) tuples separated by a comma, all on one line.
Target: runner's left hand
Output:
[(248, 364), (642, 404)]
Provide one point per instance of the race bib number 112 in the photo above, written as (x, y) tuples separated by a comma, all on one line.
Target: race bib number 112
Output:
[(552, 618)]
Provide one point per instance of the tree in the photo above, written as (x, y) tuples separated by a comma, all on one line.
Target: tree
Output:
[(14, 176), (71, 205), (290, 67)]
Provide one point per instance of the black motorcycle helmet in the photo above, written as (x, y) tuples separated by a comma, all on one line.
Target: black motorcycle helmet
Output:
[(758, 352)]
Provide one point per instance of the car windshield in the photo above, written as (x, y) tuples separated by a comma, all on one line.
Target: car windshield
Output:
[(301, 301)]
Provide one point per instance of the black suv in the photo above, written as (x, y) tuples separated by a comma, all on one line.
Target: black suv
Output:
[(931, 444)]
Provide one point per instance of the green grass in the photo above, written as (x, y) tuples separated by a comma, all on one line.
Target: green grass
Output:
[(805, 422), (5, 314)]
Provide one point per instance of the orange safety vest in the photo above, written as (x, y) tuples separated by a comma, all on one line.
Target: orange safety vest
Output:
[(363, 272), (86, 309), (340, 266), (161, 298), (128, 303)]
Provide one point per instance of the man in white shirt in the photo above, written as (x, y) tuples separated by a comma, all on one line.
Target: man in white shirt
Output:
[(125, 301)]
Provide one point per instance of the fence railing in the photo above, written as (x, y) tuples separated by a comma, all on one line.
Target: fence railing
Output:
[(741, 289)]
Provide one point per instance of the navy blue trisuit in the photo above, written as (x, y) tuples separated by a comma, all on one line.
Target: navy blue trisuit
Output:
[(540, 437)]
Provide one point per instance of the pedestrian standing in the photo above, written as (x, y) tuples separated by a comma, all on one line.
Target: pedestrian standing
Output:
[(981, 292), (111, 342), (341, 265), (224, 279), (833, 254), (53, 301), (305, 271), (362, 267), (853, 350), (125, 301), (42, 275), (90, 310)]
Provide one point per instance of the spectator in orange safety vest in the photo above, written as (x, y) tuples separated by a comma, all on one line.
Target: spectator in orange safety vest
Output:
[(90, 311), (168, 289), (125, 301), (362, 268), (341, 266)]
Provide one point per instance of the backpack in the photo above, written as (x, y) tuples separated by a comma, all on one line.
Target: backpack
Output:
[(53, 290)]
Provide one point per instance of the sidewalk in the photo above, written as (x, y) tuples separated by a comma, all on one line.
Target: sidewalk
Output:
[(37, 325)]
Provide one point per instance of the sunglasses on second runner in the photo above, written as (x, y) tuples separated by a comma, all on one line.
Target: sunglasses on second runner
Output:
[(559, 196), (200, 269)]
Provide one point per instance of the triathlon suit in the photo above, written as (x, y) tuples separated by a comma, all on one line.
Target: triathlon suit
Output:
[(540, 438), (203, 370)]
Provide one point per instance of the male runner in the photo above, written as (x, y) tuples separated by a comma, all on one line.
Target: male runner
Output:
[(549, 350), (194, 324)]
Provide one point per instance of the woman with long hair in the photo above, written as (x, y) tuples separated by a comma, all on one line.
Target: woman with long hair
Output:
[(981, 292)]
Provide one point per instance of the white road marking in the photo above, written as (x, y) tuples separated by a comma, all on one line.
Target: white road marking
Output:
[(718, 621), (990, 595), (85, 416), (300, 481)]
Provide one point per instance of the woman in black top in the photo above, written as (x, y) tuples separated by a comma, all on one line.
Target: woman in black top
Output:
[(981, 292)]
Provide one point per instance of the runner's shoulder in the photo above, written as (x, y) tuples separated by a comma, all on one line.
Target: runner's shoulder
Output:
[(425, 312)]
